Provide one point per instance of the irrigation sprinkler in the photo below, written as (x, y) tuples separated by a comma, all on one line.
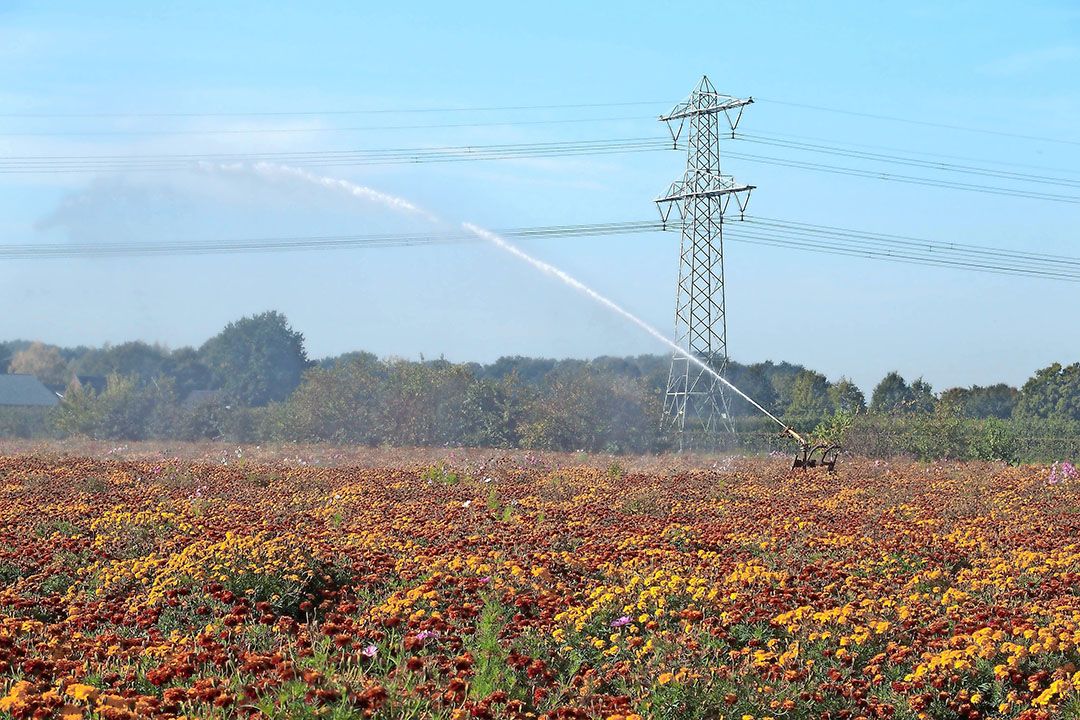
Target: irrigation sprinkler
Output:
[(811, 456)]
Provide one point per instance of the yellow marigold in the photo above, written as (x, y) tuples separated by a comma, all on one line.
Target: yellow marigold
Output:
[(81, 692), (18, 691)]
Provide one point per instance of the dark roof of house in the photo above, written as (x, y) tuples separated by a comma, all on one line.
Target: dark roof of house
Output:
[(25, 390)]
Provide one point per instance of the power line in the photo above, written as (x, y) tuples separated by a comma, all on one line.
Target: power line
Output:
[(911, 121), (302, 242), (295, 154), (911, 162), (359, 111), (923, 153), (853, 250), (38, 164), (909, 242), (827, 249), (517, 108), (888, 246), (320, 130), (907, 179), (757, 231), (326, 158), (784, 141)]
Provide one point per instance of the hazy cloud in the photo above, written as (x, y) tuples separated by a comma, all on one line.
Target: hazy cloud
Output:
[(221, 202), (116, 210)]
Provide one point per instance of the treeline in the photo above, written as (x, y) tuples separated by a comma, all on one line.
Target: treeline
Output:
[(253, 382)]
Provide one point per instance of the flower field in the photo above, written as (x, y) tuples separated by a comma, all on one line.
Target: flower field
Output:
[(499, 588)]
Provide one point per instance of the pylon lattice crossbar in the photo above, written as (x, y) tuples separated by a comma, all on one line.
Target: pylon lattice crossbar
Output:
[(700, 199)]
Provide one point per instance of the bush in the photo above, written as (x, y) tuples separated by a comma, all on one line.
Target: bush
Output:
[(439, 474), (997, 440), (26, 422), (940, 435), (123, 411), (943, 435), (833, 430), (204, 421)]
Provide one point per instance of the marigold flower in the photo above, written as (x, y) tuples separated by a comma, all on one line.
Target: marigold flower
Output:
[(82, 692)]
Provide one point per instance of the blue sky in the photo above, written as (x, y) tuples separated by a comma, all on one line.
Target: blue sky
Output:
[(989, 65)]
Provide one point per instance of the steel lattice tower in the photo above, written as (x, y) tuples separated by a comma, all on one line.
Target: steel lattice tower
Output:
[(701, 198)]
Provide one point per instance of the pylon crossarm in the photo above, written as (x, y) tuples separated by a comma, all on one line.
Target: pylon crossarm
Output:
[(706, 104), (683, 194)]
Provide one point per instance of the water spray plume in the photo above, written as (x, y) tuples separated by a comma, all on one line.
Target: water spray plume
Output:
[(402, 205), (363, 192), (549, 269)]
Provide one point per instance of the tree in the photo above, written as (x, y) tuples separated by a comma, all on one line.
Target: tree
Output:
[(5, 357), (993, 401), (131, 359), (187, 371), (257, 359), (594, 411), (341, 403), (430, 403), (43, 362), (504, 405), (956, 400), (530, 371), (922, 397), (809, 396), (782, 376), (892, 395), (752, 380), (846, 397), (124, 410), (1051, 393), (358, 398)]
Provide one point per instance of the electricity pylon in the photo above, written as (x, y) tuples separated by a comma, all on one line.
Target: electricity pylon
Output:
[(701, 198)]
